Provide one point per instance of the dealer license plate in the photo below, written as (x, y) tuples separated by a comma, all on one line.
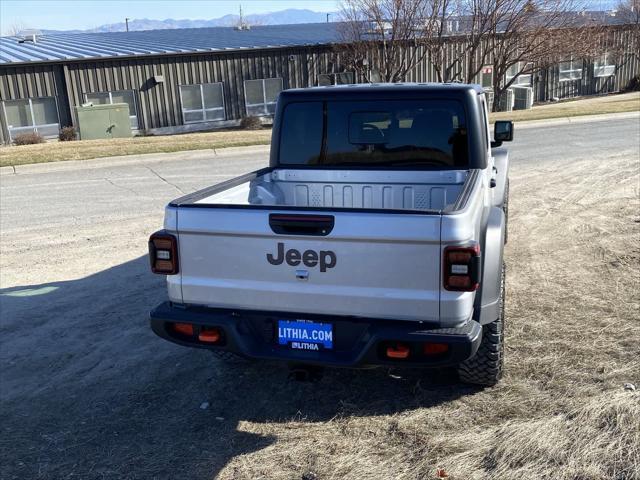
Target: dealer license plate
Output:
[(305, 335)]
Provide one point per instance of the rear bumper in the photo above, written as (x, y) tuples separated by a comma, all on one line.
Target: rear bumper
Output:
[(357, 342)]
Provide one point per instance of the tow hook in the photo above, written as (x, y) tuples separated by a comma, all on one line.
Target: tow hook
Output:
[(306, 373)]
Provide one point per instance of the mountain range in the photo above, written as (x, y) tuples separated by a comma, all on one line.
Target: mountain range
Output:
[(283, 17)]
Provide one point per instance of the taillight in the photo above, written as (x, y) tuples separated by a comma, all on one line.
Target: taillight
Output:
[(163, 253), (462, 268), (184, 329)]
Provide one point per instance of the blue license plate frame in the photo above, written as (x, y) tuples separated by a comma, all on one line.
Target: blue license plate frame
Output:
[(305, 335)]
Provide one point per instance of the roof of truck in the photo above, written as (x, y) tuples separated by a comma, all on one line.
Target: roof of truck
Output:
[(387, 87), (382, 89)]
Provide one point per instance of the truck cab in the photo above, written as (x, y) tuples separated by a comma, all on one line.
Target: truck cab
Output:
[(375, 237)]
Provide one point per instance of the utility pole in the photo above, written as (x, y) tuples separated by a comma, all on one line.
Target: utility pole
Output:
[(126, 22)]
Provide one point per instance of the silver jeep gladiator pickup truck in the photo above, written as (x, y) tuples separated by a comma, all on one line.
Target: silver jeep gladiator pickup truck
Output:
[(375, 237)]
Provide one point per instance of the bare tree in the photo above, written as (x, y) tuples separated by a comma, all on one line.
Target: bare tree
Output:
[(531, 35), (629, 13), (460, 37), (457, 44), (385, 36)]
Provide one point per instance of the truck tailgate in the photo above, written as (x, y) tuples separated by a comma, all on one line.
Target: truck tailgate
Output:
[(375, 265)]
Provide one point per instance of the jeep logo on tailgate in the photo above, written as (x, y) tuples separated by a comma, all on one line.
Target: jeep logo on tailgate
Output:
[(325, 258)]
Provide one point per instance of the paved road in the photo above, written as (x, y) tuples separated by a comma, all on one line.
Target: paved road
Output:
[(56, 197), (85, 387)]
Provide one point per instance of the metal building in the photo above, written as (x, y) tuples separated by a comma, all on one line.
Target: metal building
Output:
[(196, 79)]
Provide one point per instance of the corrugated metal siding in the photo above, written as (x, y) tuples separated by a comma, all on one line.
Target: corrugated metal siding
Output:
[(159, 105), (550, 86), (30, 82)]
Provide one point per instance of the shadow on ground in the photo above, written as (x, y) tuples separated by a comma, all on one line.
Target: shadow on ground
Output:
[(88, 391)]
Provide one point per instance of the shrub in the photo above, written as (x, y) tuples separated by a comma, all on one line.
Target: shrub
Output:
[(251, 123), (67, 134), (28, 139), (633, 85), (145, 133)]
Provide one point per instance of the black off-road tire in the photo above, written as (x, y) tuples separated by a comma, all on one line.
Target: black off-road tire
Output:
[(505, 209), (485, 367)]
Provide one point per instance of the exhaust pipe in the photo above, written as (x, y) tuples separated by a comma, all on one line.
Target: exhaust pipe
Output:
[(306, 373)]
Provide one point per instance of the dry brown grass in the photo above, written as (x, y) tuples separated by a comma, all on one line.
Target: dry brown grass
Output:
[(628, 102), (573, 340), (87, 149)]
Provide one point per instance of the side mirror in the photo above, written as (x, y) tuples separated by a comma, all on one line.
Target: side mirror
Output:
[(502, 132)]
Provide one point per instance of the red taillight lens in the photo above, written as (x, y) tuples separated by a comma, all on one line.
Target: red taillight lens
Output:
[(209, 335), (430, 349), (163, 253), (461, 269), (398, 350), (183, 329)]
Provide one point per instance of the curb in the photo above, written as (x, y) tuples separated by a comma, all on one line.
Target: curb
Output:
[(576, 119), (138, 159)]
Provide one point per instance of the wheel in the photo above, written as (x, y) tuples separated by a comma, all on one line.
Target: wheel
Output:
[(505, 209), (485, 367)]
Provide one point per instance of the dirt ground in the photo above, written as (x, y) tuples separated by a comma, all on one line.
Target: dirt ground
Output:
[(88, 392)]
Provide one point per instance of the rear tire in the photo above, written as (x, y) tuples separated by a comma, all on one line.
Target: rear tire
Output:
[(485, 367)]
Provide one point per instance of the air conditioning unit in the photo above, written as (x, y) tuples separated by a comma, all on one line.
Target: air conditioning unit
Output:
[(506, 101), (488, 93), (522, 98)]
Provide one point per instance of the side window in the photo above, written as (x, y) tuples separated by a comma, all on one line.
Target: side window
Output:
[(570, 69), (485, 124), (202, 102), (301, 135), (486, 76), (261, 95), (604, 65), (523, 79), (119, 96), (343, 78), (32, 115)]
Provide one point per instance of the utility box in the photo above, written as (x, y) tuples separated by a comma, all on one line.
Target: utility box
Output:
[(103, 121), (506, 100), (522, 98)]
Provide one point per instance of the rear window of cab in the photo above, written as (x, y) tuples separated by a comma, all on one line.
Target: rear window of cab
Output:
[(422, 133)]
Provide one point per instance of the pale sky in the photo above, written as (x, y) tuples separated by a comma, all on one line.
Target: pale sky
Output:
[(84, 14)]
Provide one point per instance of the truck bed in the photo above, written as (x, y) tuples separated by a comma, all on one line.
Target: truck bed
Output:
[(384, 243), (366, 189)]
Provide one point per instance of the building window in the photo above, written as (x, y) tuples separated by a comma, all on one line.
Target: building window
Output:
[(486, 76), (604, 66), (118, 96), (39, 115), (571, 69), (202, 103), (523, 80), (261, 95), (343, 78)]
